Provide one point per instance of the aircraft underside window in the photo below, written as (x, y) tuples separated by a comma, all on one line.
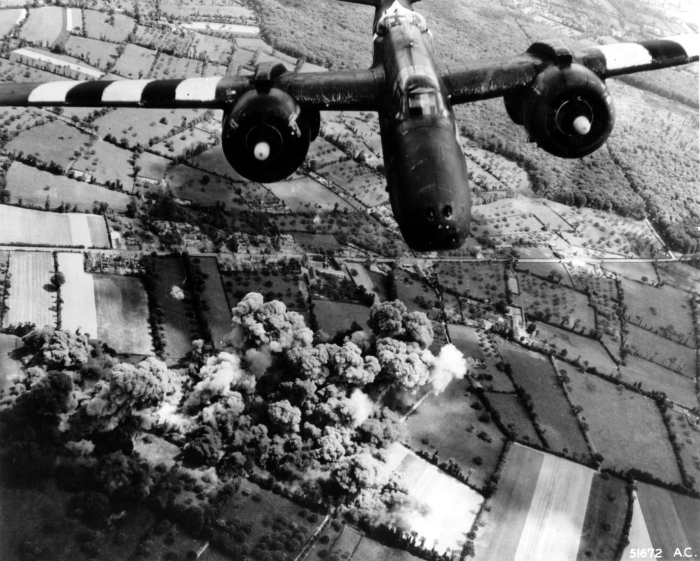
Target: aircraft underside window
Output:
[(422, 103)]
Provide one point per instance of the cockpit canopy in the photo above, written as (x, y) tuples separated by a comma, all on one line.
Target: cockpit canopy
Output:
[(422, 96), (390, 20)]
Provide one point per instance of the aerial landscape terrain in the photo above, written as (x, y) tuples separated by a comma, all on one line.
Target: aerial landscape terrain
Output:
[(194, 365)]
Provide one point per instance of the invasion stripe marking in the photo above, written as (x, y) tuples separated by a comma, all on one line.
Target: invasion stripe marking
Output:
[(690, 44), (160, 93), (125, 91), (87, 93), (51, 92), (665, 51), (197, 89), (625, 55)]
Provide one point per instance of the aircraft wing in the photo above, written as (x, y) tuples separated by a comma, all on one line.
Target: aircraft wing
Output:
[(343, 90), (494, 78)]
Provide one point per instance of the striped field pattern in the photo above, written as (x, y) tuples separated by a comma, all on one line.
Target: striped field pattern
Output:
[(451, 505), (31, 297), (671, 521), (79, 310), (27, 226), (538, 510)]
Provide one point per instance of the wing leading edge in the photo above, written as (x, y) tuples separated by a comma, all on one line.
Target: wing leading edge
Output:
[(343, 90), (487, 79)]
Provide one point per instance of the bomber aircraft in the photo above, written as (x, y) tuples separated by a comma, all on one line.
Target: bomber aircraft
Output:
[(270, 118)]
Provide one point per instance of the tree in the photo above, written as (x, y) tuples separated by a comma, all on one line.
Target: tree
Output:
[(58, 279)]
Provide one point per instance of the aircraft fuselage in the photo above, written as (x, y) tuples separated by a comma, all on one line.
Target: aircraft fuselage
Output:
[(425, 166)]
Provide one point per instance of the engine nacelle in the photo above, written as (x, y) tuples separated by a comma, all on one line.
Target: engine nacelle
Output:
[(568, 111), (266, 135)]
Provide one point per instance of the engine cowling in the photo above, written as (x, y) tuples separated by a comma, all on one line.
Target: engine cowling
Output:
[(568, 111), (266, 135)]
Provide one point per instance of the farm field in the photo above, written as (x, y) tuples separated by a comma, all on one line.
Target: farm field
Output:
[(135, 62), (188, 183), (32, 298), (603, 297), (481, 281), (614, 416), (138, 126), (589, 352), (26, 226), (29, 184), (314, 242), (65, 66), (380, 283), (554, 272), (178, 330), (43, 25), (351, 545), (79, 309), (449, 425), (555, 304), (670, 518), (107, 163), (607, 504), (538, 511), (219, 313), (122, 314), (14, 120), (359, 276), (214, 48), (167, 66), (323, 153), (672, 355), (689, 443), (679, 389), (639, 533), (333, 317), (43, 142), (12, 71), (633, 271), (608, 233), (535, 373), (413, 291), (178, 144), (514, 416), (452, 506), (263, 509), (364, 184), (94, 52), (9, 18), (679, 275), (114, 29), (480, 346), (10, 369), (305, 193), (213, 160), (674, 317), (152, 167), (283, 287)]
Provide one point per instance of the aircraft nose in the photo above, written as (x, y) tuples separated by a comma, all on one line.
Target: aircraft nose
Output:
[(435, 227)]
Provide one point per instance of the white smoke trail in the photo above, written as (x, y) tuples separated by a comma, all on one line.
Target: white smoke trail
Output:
[(362, 406), (450, 365)]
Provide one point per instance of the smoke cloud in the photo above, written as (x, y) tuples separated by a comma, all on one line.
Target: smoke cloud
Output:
[(449, 365), (362, 408)]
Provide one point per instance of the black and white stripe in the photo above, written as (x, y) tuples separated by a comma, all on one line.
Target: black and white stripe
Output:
[(626, 58), (213, 92)]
